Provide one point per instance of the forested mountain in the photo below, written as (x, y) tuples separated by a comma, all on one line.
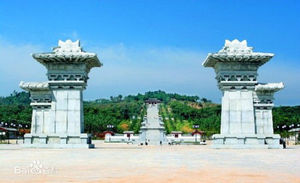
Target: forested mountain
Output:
[(181, 115), (126, 113), (15, 108), (179, 112), (16, 98)]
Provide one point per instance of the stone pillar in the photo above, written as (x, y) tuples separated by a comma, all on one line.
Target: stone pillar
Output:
[(57, 118), (246, 119), (263, 103), (237, 112), (68, 111)]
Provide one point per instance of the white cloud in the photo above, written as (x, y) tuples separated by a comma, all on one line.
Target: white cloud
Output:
[(17, 64), (289, 74), (131, 70)]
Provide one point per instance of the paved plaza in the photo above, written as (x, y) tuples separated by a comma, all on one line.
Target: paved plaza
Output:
[(132, 163)]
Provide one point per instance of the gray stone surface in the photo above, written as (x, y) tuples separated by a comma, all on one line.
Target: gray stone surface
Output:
[(246, 119), (57, 117), (153, 130)]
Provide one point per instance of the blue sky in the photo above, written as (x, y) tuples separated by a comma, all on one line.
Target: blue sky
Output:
[(151, 45)]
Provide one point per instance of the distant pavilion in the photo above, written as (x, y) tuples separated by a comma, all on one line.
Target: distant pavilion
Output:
[(152, 101)]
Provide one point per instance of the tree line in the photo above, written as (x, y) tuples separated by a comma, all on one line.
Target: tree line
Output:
[(179, 113)]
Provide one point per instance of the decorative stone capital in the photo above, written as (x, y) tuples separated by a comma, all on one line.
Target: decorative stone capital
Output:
[(68, 52), (238, 52), (269, 87), (68, 47), (34, 86), (236, 47)]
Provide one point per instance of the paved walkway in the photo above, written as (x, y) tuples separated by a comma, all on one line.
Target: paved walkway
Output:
[(121, 163), (153, 131), (152, 116)]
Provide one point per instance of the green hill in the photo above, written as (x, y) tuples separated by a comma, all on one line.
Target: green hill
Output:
[(179, 112)]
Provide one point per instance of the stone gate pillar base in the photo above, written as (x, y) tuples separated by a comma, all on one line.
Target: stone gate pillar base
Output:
[(57, 141), (246, 142)]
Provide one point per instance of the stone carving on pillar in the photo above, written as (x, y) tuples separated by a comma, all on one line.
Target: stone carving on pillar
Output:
[(246, 119), (57, 117)]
